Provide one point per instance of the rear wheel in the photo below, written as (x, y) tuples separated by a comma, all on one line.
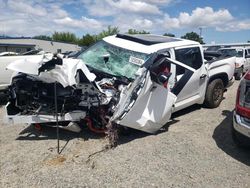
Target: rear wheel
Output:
[(214, 94)]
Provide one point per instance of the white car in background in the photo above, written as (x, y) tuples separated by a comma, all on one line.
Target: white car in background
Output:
[(242, 61), (8, 54)]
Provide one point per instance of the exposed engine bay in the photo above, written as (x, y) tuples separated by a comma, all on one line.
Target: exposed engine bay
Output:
[(33, 95)]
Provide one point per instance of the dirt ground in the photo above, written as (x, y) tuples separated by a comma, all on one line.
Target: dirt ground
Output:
[(194, 150)]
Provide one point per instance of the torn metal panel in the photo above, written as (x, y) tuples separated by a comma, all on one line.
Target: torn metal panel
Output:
[(29, 65), (146, 107), (65, 74)]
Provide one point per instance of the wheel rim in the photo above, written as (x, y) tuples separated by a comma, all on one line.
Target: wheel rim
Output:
[(218, 92)]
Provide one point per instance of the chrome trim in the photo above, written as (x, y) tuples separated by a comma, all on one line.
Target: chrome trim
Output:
[(240, 125)]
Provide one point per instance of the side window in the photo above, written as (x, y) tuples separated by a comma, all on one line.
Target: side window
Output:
[(188, 56)]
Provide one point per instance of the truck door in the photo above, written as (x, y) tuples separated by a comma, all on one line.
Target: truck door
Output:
[(191, 86), (147, 103)]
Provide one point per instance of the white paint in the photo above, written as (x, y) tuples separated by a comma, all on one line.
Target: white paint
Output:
[(65, 74)]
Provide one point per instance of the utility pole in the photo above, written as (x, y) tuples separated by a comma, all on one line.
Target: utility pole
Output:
[(200, 28)]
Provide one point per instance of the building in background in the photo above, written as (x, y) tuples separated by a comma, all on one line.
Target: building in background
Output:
[(24, 44)]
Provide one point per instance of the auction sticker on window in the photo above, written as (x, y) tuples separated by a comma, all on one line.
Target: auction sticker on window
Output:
[(136, 61)]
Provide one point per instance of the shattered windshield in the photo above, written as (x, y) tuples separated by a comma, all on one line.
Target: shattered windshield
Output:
[(113, 60)]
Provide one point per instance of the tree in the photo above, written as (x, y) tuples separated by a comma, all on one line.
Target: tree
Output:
[(87, 40), (134, 31), (110, 31), (193, 36), (65, 37), (169, 35), (42, 37)]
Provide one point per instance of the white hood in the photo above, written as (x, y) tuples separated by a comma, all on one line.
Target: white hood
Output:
[(65, 74)]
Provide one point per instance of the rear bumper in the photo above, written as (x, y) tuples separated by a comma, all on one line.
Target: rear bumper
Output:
[(241, 125), (74, 116)]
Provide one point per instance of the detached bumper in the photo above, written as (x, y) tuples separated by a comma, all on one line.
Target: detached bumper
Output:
[(241, 125), (29, 119)]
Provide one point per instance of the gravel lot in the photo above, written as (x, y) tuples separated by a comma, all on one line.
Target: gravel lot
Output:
[(194, 150)]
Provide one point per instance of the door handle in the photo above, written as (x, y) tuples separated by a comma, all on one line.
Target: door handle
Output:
[(203, 76)]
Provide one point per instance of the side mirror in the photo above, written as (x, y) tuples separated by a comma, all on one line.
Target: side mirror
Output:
[(163, 77)]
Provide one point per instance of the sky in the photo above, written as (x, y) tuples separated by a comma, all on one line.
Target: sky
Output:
[(222, 21)]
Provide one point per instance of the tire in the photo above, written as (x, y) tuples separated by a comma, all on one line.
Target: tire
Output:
[(240, 140), (3, 98), (239, 75), (214, 94)]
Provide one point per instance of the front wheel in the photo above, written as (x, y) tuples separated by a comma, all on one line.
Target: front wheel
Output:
[(214, 94)]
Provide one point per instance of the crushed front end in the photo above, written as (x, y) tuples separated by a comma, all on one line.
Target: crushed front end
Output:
[(81, 96), (107, 86)]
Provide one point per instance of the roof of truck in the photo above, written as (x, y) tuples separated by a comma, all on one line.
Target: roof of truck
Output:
[(147, 39), (147, 43)]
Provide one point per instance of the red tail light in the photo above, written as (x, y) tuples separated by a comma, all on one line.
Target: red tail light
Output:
[(243, 97)]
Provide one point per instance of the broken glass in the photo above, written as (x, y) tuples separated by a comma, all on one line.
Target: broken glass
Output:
[(113, 60)]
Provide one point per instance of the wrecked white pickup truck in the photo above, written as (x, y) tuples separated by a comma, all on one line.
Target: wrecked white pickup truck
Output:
[(135, 81)]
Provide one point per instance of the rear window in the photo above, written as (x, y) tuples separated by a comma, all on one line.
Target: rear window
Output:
[(189, 56)]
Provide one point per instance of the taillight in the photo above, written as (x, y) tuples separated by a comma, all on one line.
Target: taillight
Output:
[(243, 97)]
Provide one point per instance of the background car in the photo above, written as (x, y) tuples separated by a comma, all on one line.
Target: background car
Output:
[(242, 61), (241, 118), (8, 54)]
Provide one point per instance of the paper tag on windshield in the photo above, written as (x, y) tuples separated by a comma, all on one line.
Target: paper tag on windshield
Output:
[(136, 61)]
